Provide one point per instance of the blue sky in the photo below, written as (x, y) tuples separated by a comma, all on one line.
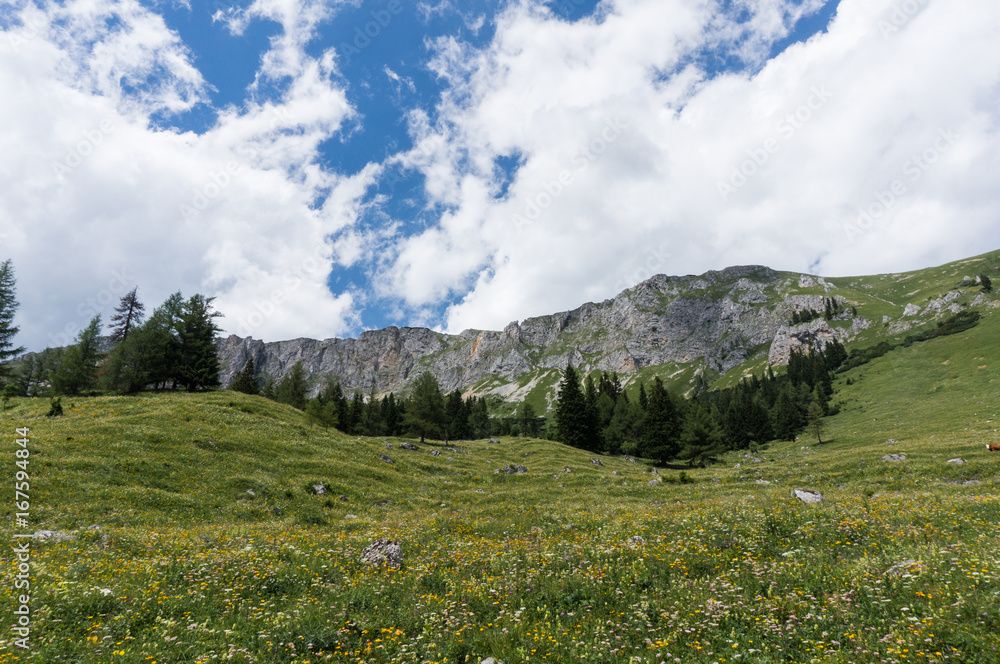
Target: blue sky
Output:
[(323, 167)]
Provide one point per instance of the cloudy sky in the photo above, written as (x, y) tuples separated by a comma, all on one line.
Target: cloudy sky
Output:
[(323, 167)]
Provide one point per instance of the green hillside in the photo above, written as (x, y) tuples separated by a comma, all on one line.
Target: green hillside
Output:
[(210, 544)]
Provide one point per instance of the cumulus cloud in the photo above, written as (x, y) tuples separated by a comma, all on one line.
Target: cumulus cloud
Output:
[(870, 147), (94, 198)]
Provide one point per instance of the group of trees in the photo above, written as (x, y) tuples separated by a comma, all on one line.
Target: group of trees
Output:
[(427, 412), (601, 417), (174, 348), (830, 309)]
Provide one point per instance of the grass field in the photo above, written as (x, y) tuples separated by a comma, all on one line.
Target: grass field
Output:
[(210, 546)]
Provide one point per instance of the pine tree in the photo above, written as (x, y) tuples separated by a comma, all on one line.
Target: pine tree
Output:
[(643, 398), (527, 420), (128, 315), (292, 388), (457, 415), (199, 359), (786, 418), (391, 416), (8, 306), (425, 414), (987, 284), (479, 419), (246, 380)]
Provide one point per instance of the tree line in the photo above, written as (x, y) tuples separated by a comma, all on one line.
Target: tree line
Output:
[(599, 416)]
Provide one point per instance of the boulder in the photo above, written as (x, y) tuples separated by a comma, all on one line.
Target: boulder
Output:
[(409, 446), (490, 660), (629, 459), (385, 457), (958, 461), (383, 552), (495, 441), (636, 540), (435, 452), (53, 535), (515, 469), (654, 482), (319, 489), (387, 444), (894, 457), (809, 496), (596, 462)]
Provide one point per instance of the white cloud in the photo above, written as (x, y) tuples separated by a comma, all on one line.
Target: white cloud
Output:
[(94, 199), (833, 122)]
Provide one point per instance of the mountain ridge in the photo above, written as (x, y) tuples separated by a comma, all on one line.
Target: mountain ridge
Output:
[(716, 322)]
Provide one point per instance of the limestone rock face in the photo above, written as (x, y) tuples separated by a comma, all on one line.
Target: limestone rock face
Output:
[(720, 319)]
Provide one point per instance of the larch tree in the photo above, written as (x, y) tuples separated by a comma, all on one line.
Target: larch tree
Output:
[(128, 315)]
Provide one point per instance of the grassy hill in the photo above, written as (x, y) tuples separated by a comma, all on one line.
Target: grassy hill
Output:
[(211, 546)]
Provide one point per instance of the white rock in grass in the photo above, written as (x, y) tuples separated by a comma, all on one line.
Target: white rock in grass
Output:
[(383, 552), (894, 457), (809, 496), (958, 461)]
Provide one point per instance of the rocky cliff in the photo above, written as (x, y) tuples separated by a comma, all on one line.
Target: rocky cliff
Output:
[(718, 319)]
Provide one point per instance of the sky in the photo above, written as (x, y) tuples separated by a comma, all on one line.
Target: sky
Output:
[(325, 167)]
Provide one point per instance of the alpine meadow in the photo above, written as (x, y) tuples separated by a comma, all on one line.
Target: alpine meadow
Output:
[(176, 522)]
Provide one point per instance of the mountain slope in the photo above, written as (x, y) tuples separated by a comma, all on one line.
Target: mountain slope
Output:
[(721, 323)]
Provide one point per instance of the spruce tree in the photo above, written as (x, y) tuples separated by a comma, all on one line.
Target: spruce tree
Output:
[(199, 359), (425, 413), (128, 315), (8, 306), (700, 437), (292, 388), (660, 432), (571, 412), (246, 380)]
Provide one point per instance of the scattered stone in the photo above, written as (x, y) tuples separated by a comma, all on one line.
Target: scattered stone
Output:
[(970, 482), (613, 472), (490, 660), (409, 446), (654, 482), (319, 489), (387, 444), (629, 459), (737, 466), (536, 529), (383, 552), (892, 441), (385, 457), (435, 452), (105, 538), (654, 472), (515, 469), (596, 462), (958, 461), (656, 503), (635, 540), (53, 535), (480, 491), (556, 476), (350, 516), (809, 496), (494, 441), (251, 493), (342, 498), (381, 503), (894, 457), (911, 310), (567, 470), (450, 458), (762, 482), (716, 480), (562, 486)]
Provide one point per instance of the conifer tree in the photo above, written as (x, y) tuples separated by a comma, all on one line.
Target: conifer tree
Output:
[(425, 413), (76, 369), (292, 388), (987, 284), (571, 412), (246, 380), (700, 437), (199, 359), (815, 420), (128, 315), (8, 306), (660, 432)]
